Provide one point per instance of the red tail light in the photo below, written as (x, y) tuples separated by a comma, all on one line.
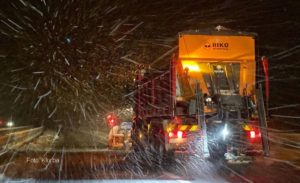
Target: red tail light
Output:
[(179, 134), (171, 134), (252, 134), (111, 120)]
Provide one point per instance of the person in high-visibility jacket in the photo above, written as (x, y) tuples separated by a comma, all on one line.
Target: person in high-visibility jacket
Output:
[(113, 131), (116, 137)]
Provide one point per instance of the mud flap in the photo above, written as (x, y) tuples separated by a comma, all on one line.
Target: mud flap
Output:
[(201, 120), (262, 121)]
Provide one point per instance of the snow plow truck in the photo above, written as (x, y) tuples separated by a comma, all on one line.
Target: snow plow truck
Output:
[(205, 100)]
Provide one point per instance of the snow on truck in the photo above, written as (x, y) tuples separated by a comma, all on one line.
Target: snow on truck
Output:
[(205, 98)]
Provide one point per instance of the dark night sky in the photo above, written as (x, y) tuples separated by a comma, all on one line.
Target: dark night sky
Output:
[(64, 61)]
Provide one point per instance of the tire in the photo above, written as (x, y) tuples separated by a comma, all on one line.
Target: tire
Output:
[(157, 147), (217, 150), (217, 147), (137, 145), (160, 154), (169, 158)]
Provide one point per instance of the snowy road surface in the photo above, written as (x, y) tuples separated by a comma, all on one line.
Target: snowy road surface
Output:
[(79, 155)]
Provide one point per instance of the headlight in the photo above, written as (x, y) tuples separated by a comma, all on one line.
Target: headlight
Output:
[(225, 132), (10, 124), (208, 99)]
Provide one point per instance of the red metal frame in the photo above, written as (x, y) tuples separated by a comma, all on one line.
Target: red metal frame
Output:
[(156, 97), (265, 64)]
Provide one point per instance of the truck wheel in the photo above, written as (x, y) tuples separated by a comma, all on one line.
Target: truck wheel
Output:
[(217, 150), (217, 147), (137, 147), (160, 154), (157, 148), (152, 155), (169, 159)]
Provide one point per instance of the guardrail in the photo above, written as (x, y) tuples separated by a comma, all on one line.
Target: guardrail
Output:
[(4, 131), (17, 139)]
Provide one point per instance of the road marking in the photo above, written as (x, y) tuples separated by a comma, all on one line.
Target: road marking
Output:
[(284, 161), (285, 143), (14, 128), (284, 116), (237, 174)]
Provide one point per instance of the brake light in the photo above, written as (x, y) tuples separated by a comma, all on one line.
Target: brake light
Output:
[(252, 134), (171, 134), (179, 134), (111, 119), (176, 134)]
